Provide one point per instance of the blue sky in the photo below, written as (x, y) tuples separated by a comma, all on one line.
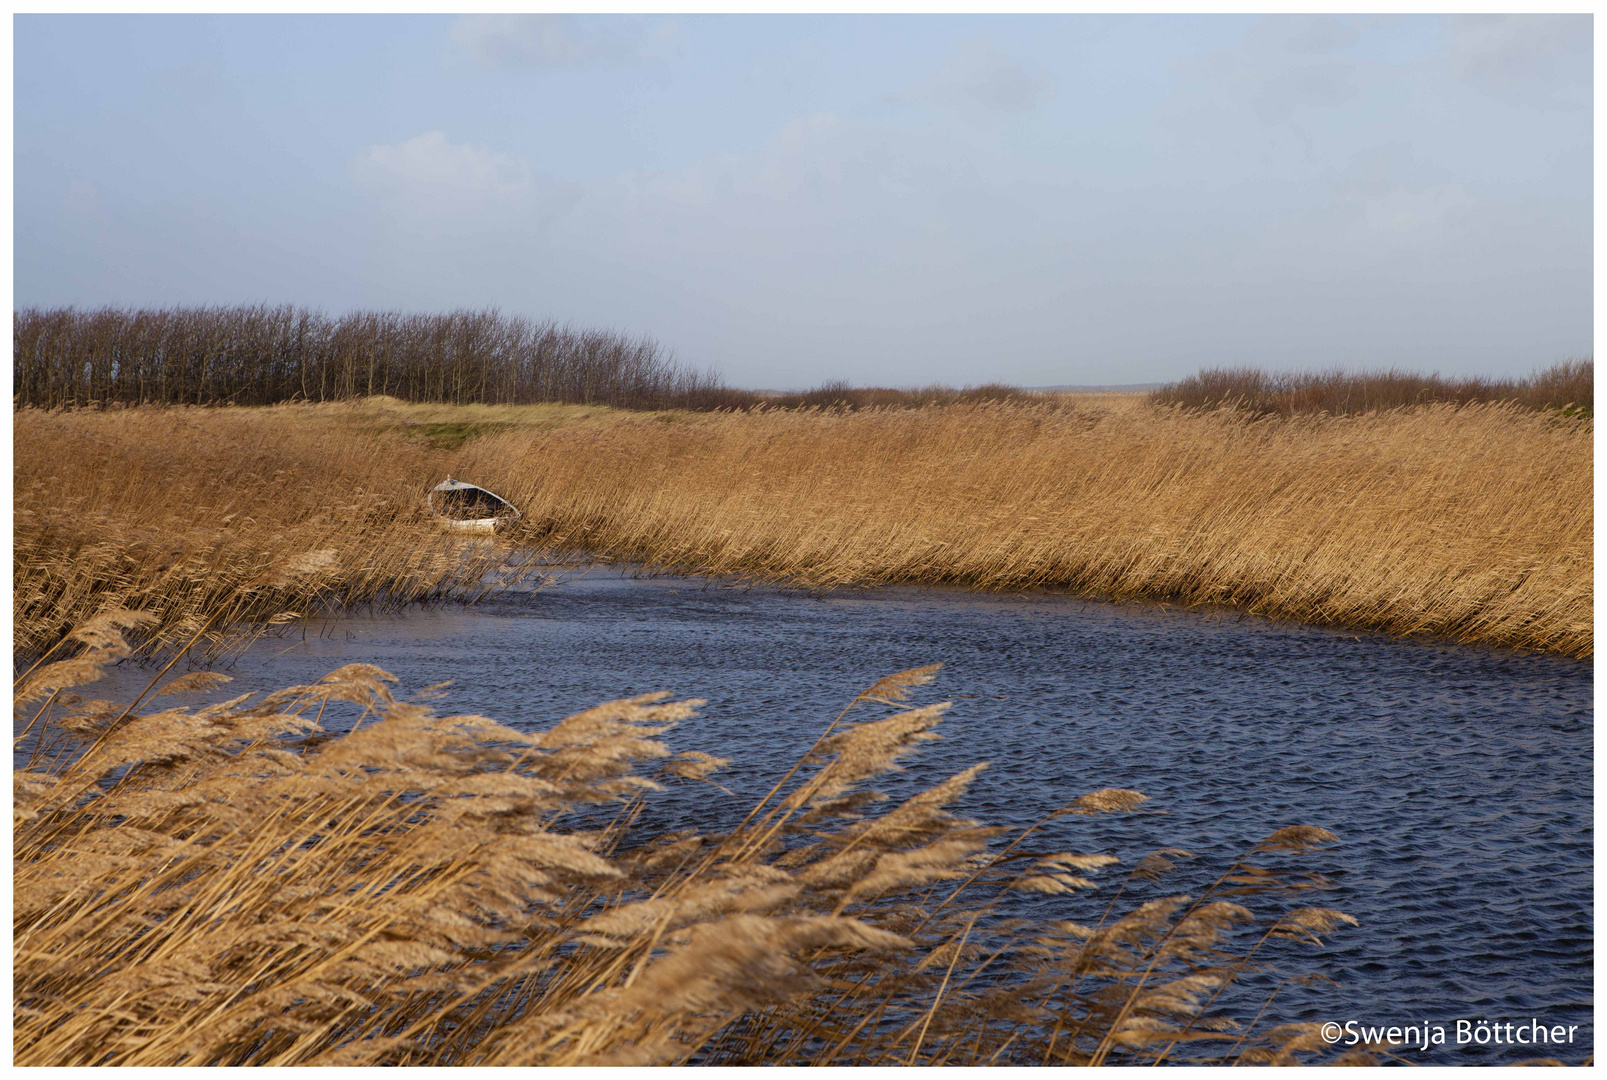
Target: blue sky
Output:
[(894, 200)]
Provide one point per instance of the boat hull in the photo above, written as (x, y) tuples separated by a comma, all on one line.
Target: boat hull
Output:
[(459, 501), (472, 525)]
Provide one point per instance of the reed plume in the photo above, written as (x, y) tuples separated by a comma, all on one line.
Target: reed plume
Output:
[(1472, 523), (199, 524), (243, 884)]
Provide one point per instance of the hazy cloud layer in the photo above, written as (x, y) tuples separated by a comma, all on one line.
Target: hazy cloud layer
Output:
[(82, 198), (519, 41), (1526, 59), (428, 173), (793, 200), (1388, 190), (982, 75), (1283, 68)]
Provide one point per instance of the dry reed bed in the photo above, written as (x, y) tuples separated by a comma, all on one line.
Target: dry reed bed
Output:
[(235, 885), (1470, 523), (205, 518)]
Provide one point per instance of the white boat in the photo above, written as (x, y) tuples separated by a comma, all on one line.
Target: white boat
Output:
[(466, 508)]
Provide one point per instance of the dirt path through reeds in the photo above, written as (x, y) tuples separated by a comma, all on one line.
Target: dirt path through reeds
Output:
[(1471, 523)]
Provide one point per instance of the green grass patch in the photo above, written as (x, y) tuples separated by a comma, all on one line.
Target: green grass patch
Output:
[(450, 436)]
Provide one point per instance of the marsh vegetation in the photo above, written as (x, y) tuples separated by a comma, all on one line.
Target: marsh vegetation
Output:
[(207, 519), (244, 883), (238, 884), (1472, 523), (1568, 387)]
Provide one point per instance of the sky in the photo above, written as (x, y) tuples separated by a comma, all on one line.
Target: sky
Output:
[(888, 200)]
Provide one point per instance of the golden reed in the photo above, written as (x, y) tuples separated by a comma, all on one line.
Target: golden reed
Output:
[(207, 518), (237, 884), (1472, 523)]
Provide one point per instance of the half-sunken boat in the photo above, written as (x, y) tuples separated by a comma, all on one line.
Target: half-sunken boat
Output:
[(467, 508)]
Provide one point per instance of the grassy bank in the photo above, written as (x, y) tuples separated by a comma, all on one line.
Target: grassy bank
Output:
[(1471, 523), (206, 518), (236, 885)]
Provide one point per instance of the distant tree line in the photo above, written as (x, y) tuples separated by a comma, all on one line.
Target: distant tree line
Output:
[(264, 355)]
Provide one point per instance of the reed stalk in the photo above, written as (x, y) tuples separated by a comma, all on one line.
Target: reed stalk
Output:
[(238, 884), (1471, 523)]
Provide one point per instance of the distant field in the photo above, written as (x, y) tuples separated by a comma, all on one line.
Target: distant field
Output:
[(1471, 523)]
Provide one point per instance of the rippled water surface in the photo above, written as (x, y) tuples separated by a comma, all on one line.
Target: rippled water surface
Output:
[(1459, 779)]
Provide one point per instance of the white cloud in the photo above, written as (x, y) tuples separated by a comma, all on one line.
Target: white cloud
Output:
[(1403, 210), (525, 41), (517, 40), (1389, 191), (851, 178), (443, 207), (431, 171)]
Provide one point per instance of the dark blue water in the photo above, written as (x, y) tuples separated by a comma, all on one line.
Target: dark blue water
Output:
[(1459, 779)]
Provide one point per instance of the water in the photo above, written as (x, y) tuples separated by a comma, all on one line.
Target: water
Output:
[(1458, 778)]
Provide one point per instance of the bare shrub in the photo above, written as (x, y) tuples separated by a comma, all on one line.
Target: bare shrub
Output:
[(1565, 386), (842, 395)]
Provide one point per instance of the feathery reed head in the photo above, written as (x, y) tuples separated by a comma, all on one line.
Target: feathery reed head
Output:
[(249, 889), (895, 688)]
